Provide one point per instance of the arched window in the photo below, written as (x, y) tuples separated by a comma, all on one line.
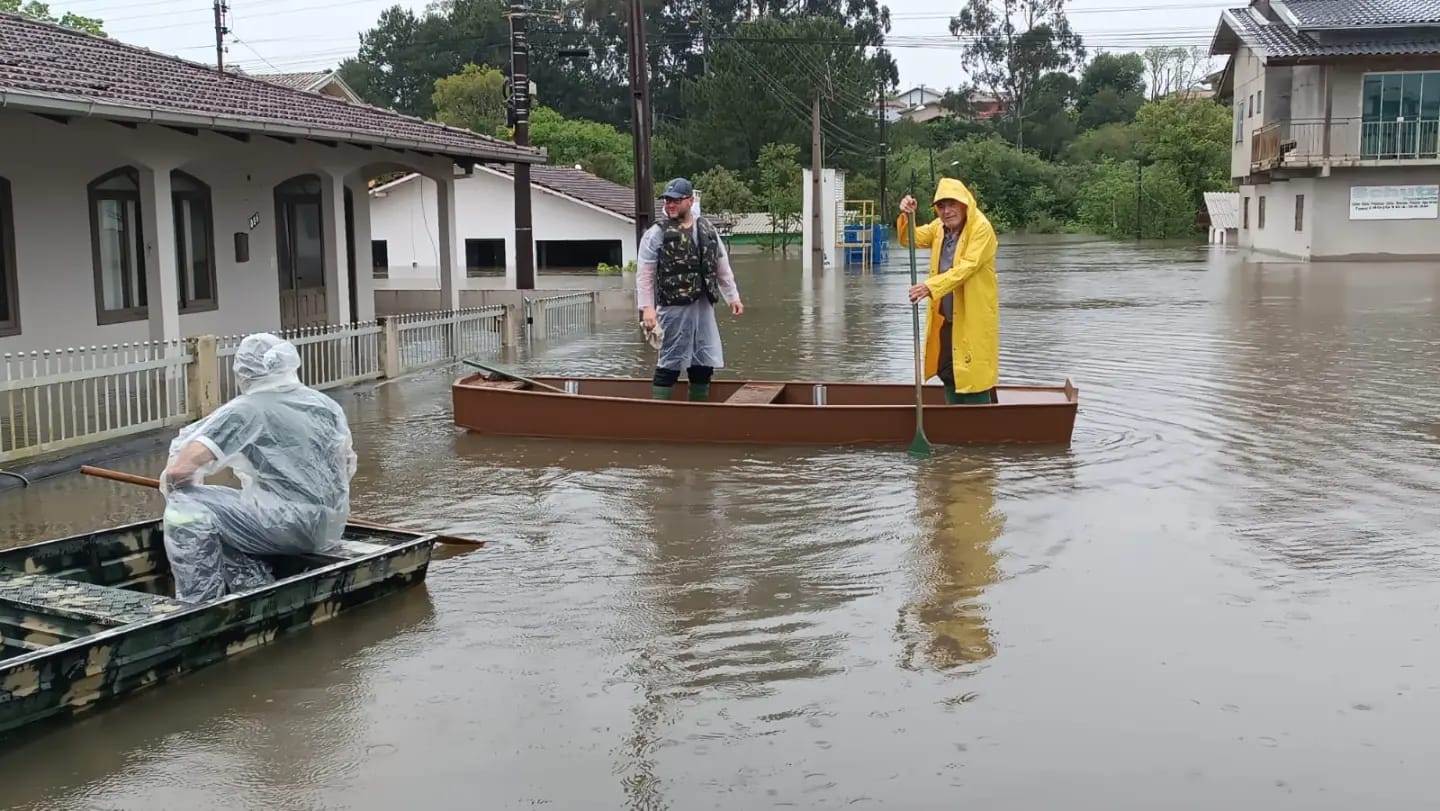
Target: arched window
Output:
[(9, 274), (117, 243), (194, 242)]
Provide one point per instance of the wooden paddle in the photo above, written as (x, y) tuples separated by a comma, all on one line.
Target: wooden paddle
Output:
[(145, 481), (920, 446), (512, 376)]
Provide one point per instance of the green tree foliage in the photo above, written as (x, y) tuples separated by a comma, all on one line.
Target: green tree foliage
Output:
[(1111, 90), (474, 99), (41, 11), (1010, 44), (599, 149), (1192, 135), (779, 188), (1112, 200), (760, 88), (1016, 189), (724, 192)]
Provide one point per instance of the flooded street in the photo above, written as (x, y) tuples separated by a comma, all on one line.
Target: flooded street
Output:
[(1224, 594)]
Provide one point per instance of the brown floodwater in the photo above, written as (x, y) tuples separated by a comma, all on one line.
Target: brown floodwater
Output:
[(1225, 594)]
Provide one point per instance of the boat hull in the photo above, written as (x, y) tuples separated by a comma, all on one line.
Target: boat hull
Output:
[(852, 413), (70, 652)]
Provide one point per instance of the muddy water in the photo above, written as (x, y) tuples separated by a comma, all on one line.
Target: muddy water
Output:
[(1223, 595)]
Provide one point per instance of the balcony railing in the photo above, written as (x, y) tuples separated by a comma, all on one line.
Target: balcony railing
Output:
[(1303, 143)]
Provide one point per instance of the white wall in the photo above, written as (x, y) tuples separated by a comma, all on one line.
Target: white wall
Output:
[(832, 204), (1249, 78), (404, 215), (49, 166)]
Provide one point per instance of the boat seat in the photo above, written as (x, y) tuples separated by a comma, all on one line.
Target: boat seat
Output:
[(756, 394), (79, 600)]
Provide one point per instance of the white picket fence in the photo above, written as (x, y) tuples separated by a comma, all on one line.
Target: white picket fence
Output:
[(330, 356), (430, 339), (63, 398)]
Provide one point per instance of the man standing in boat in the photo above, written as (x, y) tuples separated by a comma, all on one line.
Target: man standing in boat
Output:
[(962, 323), (684, 269)]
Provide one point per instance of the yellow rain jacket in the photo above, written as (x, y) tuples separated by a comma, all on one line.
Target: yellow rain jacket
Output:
[(975, 337)]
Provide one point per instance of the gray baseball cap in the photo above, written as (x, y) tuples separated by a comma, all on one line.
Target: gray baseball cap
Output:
[(678, 188)]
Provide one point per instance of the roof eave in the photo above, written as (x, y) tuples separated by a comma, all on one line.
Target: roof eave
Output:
[(38, 102), (1224, 30), (1368, 27)]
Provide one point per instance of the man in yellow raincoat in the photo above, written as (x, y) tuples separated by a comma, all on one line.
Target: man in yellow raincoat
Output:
[(962, 325)]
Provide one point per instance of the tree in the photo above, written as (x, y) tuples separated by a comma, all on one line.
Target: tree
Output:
[(1111, 204), (1112, 88), (1174, 70), (1010, 44), (1051, 123), (1193, 136), (779, 188), (474, 99), (599, 149), (41, 11), (724, 192)]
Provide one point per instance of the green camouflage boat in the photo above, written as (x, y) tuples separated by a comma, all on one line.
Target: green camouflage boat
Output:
[(88, 619)]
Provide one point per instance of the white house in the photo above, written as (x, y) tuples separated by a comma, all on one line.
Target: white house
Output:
[(579, 221), (1336, 126), (144, 197)]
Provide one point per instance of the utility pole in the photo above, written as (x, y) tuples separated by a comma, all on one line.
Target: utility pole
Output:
[(884, 160), (520, 103), (817, 249), (1139, 195), (640, 121), (220, 31)]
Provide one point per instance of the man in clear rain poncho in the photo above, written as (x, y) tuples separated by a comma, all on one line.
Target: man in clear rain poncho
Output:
[(684, 269), (290, 447)]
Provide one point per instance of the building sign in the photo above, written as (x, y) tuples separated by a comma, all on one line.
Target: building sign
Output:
[(1394, 202)]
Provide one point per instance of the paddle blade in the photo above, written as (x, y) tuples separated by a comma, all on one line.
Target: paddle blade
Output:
[(920, 448)]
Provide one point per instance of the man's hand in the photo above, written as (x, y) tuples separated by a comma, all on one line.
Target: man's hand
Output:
[(908, 205), (648, 318), (918, 292), (736, 308)]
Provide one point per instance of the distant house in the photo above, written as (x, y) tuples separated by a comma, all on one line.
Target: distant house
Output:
[(580, 221), (145, 197), (1336, 125), (325, 82)]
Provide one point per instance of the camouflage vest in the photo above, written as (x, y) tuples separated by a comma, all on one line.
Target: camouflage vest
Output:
[(687, 269)]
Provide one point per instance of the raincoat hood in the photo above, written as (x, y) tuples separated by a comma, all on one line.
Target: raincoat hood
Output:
[(952, 189)]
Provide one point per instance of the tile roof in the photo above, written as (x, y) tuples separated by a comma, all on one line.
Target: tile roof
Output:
[(1276, 41), (46, 67), (1361, 13), (577, 183), (296, 81)]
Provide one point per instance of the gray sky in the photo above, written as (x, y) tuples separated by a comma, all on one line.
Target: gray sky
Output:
[(295, 35)]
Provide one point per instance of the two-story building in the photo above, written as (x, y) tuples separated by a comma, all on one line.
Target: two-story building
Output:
[(1336, 141)]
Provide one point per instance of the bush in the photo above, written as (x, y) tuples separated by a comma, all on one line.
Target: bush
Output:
[(1109, 203)]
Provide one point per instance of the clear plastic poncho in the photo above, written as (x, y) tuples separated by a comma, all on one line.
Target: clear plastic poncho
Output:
[(291, 449)]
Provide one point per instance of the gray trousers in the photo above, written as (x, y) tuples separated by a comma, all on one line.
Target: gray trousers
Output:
[(212, 534)]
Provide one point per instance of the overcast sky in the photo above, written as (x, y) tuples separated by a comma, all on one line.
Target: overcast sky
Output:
[(296, 35)]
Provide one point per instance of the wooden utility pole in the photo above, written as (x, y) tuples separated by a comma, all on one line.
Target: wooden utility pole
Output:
[(884, 160), (640, 121), (817, 250), (520, 102), (220, 31)]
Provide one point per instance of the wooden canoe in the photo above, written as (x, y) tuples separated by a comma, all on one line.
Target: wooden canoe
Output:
[(760, 412), (87, 620)]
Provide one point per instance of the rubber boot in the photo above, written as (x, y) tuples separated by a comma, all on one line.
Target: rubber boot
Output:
[(700, 392), (660, 392), (951, 396)]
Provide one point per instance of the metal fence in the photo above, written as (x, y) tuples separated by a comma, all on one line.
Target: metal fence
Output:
[(64, 398), (558, 316), (431, 339), (330, 356)]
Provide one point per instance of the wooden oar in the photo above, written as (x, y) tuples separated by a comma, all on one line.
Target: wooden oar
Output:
[(512, 376), (920, 446), (145, 481)]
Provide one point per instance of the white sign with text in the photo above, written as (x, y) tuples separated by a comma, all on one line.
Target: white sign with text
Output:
[(1394, 202)]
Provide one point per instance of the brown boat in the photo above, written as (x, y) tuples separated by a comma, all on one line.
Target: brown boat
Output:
[(758, 412)]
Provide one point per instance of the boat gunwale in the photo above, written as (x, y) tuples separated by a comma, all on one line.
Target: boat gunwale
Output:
[(1070, 391), (415, 540)]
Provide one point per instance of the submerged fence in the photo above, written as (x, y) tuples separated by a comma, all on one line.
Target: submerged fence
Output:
[(558, 316), (60, 399)]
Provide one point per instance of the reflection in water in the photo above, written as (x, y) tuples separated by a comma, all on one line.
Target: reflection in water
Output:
[(945, 626)]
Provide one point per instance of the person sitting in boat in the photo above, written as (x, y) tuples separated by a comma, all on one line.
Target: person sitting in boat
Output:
[(963, 293), (290, 447), (684, 269)]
